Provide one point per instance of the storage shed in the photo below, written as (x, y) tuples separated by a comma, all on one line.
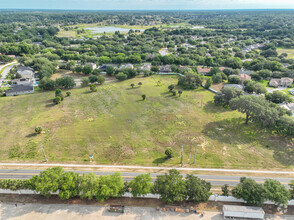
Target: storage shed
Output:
[(242, 212)]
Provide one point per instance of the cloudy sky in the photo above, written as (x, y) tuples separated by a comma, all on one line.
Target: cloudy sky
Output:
[(146, 4)]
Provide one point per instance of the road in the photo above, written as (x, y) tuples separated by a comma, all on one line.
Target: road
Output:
[(215, 180), (6, 70)]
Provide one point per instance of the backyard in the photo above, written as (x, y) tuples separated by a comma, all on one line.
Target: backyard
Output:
[(117, 127)]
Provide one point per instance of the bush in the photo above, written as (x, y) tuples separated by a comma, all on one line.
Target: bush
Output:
[(143, 97), (171, 87), (85, 82), (100, 79), (217, 78), (169, 153), (234, 80), (38, 130), (93, 88), (121, 76), (68, 94), (57, 100), (46, 84)]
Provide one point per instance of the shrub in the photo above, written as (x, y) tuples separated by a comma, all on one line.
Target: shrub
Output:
[(57, 100), (68, 94), (121, 76), (38, 129), (169, 153), (143, 97), (93, 88)]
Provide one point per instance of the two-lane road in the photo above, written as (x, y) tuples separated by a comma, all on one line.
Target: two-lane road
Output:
[(215, 180)]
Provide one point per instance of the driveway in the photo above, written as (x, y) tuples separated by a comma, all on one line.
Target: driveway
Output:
[(6, 70)]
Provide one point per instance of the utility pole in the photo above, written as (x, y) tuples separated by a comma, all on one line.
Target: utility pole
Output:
[(44, 152), (195, 154), (182, 149), (190, 154)]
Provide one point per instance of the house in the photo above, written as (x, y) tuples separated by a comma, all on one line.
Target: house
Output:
[(92, 65), (222, 68), (19, 90), (244, 77), (22, 81), (146, 66), (203, 70), (247, 72), (236, 86), (26, 72), (242, 212), (165, 69), (284, 82), (126, 66), (104, 66)]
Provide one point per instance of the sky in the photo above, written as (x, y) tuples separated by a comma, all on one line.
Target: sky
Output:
[(146, 4)]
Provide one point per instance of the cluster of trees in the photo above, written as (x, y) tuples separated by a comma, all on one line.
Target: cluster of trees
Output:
[(47, 84), (190, 80), (89, 186), (256, 194), (171, 187), (257, 109), (59, 97)]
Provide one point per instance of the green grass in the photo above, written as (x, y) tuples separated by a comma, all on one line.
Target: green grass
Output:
[(117, 127), (263, 82), (289, 51)]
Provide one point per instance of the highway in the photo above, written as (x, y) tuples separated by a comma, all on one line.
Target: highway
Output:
[(215, 180)]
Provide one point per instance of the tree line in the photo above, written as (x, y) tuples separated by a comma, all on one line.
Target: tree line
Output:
[(171, 187)]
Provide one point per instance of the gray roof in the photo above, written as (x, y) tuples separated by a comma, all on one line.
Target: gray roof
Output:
[(236, 208), (20, 88), (236, 86)]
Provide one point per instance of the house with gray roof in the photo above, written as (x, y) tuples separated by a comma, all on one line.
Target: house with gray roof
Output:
[(26, 72), (19, 90)]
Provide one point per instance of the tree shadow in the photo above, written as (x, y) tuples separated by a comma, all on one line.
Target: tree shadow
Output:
[(31, 135), (50, 105), (87, 92), (210, 107), (133, 88), (234, 131), (160, 160), (165, 93)]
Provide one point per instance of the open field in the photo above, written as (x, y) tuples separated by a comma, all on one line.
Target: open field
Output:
[(290, 52), (117, 127)]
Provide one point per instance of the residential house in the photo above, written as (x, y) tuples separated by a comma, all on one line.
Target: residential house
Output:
[(126, 66), (236, 86), (104, 66), (244, 77), (222, 68), (92, 65), (165, 69), (22, 81), (26, 72), (19, 90), (146, 66), (203, 70), (284, 82)]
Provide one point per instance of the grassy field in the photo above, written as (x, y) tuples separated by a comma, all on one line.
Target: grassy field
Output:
[(290, 52), (117, 127)]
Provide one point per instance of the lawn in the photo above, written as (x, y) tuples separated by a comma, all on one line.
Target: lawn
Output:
[(117, 127), (290, 52)]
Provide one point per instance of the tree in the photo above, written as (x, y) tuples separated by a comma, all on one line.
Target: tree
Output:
[(197, 190), (257, 109), (93, 78), (169, 153), (93, 88), (100, 79), (109, 70), (110, 186), (58, 92), (68, 94), (171, 87), (85, 82), (234, 80), (234, 62), (140, 84), (276, 192), (250, 191), (278, 97), (38, 129), (155, 69), (89, 186), (57, 100), (141, 185), (190, 80), (48, 181), (225, 95), (46, 84), (171, 187), (132, 85), (121, 76), (180, 92), (291, 185), (143, 97), (217, 78), (225, 190), (87, 69), (65, 82), (68, 185), (208, 83), (174, 93)]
